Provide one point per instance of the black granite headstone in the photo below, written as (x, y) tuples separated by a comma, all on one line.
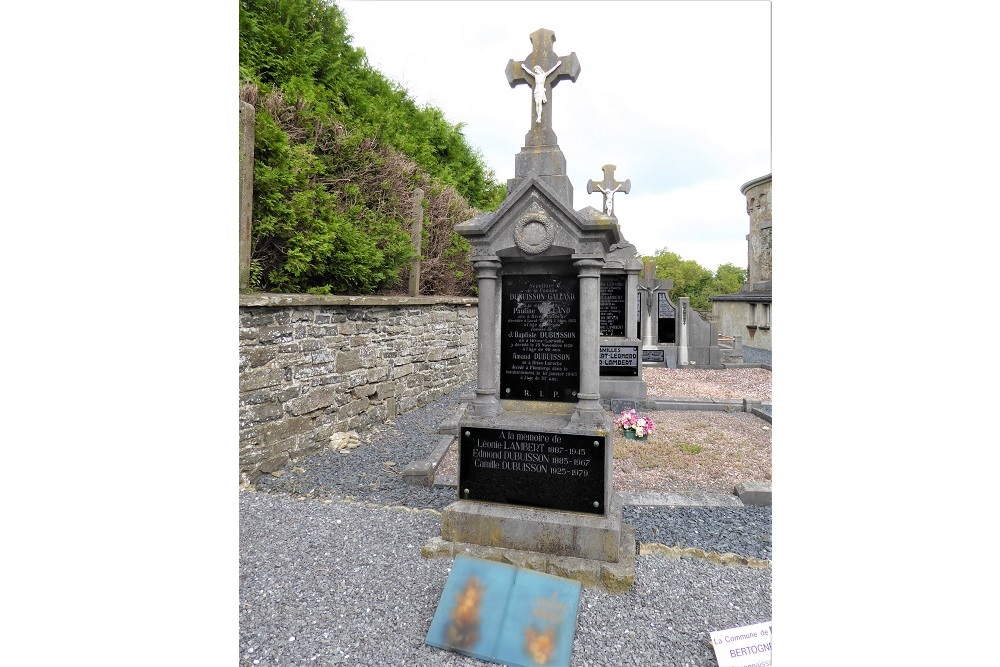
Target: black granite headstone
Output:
[(613, 305), (548, 470), (539, 338), (666, 320)]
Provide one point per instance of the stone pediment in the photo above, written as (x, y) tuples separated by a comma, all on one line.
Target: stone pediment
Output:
[(533, 222)]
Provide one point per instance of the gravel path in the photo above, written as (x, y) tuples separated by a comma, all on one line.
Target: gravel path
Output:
[(339, 583), (331, 574)]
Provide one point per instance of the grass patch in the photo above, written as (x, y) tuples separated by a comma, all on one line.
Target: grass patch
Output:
[(690, 448)]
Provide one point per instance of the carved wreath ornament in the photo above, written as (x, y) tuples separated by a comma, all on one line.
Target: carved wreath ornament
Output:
[(534, 232)]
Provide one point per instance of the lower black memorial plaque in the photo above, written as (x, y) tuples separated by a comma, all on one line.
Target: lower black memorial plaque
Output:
[(619, 360), (548, 470)]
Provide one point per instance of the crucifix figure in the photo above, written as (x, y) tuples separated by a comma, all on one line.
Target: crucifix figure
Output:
[(539, 91), (542, 70), (608, 187)]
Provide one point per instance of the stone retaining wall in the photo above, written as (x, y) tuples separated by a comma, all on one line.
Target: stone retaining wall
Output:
[(312, 366)]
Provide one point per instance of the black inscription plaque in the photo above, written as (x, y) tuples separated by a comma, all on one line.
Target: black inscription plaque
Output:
[(548, 470), (666, 320), (539, 338), (613, 305), (653, 356), (664, 307), (619, 360)]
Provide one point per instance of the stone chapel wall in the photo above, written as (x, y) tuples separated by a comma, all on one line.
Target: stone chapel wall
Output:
[(312, 366)]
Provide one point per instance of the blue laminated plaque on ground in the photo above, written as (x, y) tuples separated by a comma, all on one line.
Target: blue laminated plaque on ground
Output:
[(504, 614)]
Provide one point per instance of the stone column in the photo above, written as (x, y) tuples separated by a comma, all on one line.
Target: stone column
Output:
[(486, 403), (684, 306), (247, 115), (588, 401)]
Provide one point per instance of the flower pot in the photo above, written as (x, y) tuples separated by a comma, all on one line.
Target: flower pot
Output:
[(630, 435)]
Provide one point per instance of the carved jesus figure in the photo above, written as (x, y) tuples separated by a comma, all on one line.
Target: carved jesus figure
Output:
[(539, 91), (609, 197)]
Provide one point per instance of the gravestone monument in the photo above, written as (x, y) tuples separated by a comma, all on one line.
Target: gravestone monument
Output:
[(658, 318), (535, 442)]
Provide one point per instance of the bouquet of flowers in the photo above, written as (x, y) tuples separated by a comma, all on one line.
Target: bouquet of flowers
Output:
[(630, 421)]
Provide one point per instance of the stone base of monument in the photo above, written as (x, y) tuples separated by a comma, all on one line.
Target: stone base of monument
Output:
[(535, 491), (612, 387), (595, 537), (613, 576)]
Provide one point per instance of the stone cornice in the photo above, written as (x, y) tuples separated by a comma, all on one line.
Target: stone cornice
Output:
[(757, 181)]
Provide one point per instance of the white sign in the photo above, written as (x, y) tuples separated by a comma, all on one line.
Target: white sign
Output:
[(749, 646)]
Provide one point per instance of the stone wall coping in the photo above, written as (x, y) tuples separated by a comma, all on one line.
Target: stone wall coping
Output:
[(283, 300)]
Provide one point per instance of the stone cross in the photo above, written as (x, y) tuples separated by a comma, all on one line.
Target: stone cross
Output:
[(542, 70), (608, 187)]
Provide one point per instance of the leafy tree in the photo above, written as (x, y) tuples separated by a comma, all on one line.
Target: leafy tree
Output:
[(339, 150), (695, 281), (729, 278)]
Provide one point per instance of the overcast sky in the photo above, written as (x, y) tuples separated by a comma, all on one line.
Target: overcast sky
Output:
[(676, 94)]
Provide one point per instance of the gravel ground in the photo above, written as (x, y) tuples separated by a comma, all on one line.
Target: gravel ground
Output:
[(331, 572), (325, 582)]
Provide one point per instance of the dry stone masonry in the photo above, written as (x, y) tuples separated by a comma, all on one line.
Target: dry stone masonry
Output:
[(315, 366)]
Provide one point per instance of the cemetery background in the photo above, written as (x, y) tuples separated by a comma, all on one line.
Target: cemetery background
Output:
[(307, 405), (188, 531)]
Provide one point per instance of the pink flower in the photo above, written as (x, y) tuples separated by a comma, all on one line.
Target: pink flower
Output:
[(629, 420)]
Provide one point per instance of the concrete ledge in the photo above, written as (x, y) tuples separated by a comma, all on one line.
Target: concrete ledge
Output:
[(422, 472), (419, 473), (700, 499), (449, 425), (611, 577), (754, 493), (667, 403), (655, 549)]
